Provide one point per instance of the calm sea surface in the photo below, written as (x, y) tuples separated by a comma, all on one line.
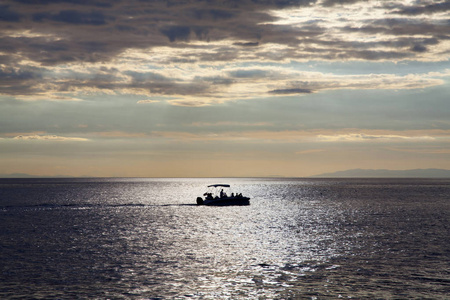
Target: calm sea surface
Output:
[(299, 239)]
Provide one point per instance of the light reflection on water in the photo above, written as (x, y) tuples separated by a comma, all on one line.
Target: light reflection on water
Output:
[(145, 238)]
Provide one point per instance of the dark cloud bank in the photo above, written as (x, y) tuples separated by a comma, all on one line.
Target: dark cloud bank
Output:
[(63, 32)]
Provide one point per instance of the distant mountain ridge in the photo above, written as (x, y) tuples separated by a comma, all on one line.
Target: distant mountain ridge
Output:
[(383, 173)]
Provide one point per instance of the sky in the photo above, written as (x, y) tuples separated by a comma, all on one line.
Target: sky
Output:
[(192, 88)]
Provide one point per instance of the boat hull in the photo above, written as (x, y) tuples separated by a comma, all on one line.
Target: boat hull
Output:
[(226, 201)]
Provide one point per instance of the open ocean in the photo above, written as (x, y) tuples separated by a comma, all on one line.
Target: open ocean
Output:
[(132, 238)]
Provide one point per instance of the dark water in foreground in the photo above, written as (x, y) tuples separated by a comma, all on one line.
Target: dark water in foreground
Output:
[(145, 238)]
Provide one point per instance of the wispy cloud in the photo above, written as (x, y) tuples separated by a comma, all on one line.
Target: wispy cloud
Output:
[(147, 101), (361, 137), (50, 138), (289, 136)]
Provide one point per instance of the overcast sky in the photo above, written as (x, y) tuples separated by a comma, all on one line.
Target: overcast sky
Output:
[(223, 88)]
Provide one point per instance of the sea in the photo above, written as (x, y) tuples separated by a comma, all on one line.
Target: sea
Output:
[(145, 238)]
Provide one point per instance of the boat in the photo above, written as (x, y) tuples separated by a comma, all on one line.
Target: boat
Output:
[(220, 194)]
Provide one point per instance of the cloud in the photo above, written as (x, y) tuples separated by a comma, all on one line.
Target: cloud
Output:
[(419, 9), (180, 33), (290, 91), (7, 15), (409, 28), (19, 81), (197, 86), (87, 35), (328, 3), (296, 136), (192, 102), (198, 53), (47, 97), (96, 3), (361, 137), (73, 17), (246, 44), (50, 138), (141, 25), (147, 101), (194, 86)]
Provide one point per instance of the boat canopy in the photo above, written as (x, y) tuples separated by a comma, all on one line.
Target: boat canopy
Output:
[(219, 185)]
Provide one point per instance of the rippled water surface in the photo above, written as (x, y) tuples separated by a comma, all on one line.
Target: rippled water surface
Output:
[(299, 238)]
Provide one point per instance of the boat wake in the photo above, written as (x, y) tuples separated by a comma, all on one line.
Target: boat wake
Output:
[(49, 206)]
